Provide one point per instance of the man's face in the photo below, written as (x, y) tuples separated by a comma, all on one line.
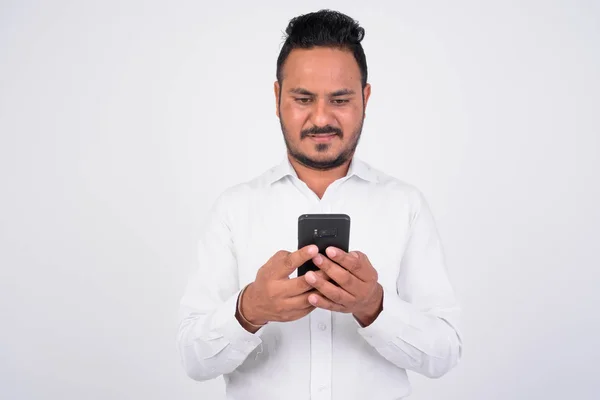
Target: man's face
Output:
[(321, 106)]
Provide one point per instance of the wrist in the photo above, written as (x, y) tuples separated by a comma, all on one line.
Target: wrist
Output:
[(369, 315), (247, 308)]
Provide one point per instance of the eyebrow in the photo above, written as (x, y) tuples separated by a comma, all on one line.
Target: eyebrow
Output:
[(341, 92)]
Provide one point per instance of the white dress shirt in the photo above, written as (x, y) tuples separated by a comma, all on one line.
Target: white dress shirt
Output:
[(324, 355)]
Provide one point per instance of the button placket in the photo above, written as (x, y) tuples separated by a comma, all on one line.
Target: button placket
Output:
[(320, 329), (321, 354)]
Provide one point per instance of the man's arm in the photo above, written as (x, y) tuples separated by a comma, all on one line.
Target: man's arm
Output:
[(417, 326), (211, 341)]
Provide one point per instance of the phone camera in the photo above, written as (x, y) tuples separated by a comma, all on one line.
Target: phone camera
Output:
[(326, 232)]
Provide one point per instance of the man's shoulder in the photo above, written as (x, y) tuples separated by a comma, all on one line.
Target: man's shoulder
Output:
[(242, 191), (391, 184)]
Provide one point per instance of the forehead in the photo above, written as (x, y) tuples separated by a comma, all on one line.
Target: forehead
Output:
[(321, 68)]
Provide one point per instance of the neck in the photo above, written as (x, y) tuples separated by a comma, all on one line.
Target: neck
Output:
[(319, 181)]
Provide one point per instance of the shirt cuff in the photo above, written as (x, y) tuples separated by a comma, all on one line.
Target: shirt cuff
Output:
[(224, 325), (395, 320)]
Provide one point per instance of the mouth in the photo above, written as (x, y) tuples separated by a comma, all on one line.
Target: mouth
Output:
[(322, 137)]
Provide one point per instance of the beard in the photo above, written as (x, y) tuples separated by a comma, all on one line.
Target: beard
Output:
[(323, 164)]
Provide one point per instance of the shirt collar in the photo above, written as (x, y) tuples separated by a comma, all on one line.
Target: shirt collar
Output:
[(357, 168)]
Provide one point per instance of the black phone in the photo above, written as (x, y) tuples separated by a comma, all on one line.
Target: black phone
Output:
[(323, 230)]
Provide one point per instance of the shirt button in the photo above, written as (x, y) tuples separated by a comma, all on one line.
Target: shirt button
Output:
[(322, 326)]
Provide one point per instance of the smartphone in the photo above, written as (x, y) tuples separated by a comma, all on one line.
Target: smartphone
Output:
[(323, 230)]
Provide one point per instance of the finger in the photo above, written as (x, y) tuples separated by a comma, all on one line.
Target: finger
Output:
[(355, 262), (289, 262), (334, 293), (341, 276), (297, 314), (319, 301), (299, 302), (299, 285)]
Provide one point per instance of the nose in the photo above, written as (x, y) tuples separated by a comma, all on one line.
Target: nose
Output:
[(322, 114)]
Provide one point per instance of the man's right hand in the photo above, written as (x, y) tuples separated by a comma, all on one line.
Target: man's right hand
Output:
[(273, 296)]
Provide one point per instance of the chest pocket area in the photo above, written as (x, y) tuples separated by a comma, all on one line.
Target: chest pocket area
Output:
[(259, 242), (383, 242)]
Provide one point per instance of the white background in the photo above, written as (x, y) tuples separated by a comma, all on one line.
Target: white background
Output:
[(121, 122)]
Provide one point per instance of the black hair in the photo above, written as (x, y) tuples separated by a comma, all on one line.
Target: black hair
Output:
[(324, 28)]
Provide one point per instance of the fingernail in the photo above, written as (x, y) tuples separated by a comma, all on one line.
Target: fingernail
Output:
[(310, 277), (312, 250), (355, 254), (331, 252), (318, 260), (312, 299)]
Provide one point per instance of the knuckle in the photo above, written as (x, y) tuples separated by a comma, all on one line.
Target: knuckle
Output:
[(281, 254), (336, 296), (345, 279), (287, 261), (375, 275)]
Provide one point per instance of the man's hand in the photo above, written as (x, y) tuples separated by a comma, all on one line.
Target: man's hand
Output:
[(273, 296), (358, 293)]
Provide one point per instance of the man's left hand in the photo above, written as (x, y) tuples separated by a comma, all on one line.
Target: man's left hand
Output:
[(358, 292)]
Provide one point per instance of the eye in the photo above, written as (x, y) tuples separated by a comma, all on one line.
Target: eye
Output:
[(303, 100), (340, 101)]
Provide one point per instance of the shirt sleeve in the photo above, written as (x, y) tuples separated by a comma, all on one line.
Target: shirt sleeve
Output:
[(418, 326), (210, 340)]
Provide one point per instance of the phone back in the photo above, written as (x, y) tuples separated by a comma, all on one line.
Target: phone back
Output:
[(323, 230)]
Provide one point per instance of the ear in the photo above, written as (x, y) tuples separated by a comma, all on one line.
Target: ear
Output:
[(366, 95), (277, 91)]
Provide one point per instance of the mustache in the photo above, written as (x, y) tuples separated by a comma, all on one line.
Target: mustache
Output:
[(315, 130)]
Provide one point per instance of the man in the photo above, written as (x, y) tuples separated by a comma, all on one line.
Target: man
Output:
[(246, 314)]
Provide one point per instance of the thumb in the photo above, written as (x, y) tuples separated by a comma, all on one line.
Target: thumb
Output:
[(294, 260)]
